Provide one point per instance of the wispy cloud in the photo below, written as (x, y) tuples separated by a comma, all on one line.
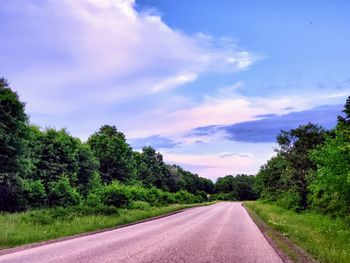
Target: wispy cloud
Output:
[(91, 52), (268, 126)]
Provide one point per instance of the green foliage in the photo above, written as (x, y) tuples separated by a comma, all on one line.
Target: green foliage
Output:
[(151, 169), (63, 194), (311, 169), (330, 186), (289, 199), (58, 155), (38, 225), (272, 178), (327, 239), (114, 154), (141, 205), (184, 197), (115, 194), (295, 147), (88, 176), (34, 193), (40, 168), (239, 187), (13, 131)]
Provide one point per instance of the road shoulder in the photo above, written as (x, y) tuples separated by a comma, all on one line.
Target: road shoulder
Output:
[(288, 251), (6, 251)]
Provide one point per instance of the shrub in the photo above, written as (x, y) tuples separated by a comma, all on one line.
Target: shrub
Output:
[(99, 209), (155, 197), (115, 195), (185, 197), (39, 217), (289, 200), (34, 193), (63, 194), (139, 205), (138, 193)]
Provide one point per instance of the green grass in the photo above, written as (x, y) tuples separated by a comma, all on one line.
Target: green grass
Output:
[(46, 224), (327, 239)]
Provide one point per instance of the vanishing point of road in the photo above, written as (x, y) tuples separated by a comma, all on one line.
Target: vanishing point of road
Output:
[(222, 232)]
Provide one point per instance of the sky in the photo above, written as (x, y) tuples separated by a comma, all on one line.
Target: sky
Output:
[(209, 84)]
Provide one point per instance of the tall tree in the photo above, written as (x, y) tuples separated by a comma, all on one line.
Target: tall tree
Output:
[(330, 187), (272, 178), (113, 153), (295, 146), (13, 130), (151, 169), (58, 157)]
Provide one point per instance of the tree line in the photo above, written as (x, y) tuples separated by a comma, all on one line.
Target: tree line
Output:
[(47, 168), (235, 188), (311, 169)]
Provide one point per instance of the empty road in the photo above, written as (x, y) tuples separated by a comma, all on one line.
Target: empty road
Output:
[(223, 232)]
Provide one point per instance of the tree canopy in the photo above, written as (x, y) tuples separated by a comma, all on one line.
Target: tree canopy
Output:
[(50, 167)]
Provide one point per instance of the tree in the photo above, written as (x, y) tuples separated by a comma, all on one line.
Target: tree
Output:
[(151, 169), (113, 153), (224, 184), (13, 130), (88, 168), (63, 194), (239, 187), (243, 187), (330, 187), (345, 120), (58, 155), (272, 178), (295, 146), (172, 178)]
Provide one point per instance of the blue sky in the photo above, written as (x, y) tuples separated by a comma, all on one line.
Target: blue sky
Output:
[(208, 83)]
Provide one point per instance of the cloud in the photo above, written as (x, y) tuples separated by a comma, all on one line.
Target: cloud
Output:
[(242, 155), (92, 52), (266, 129), (213, 165), (268, 115), (174, 81), (225, 109), (155, 141)]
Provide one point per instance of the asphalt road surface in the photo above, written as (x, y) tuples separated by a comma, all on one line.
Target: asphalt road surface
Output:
[(223, 232)]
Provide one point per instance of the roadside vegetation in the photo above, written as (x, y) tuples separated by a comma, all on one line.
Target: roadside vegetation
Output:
[(235, 188), (51, 223), (310, 170), (53, 184), (326, 238), (304, 190)]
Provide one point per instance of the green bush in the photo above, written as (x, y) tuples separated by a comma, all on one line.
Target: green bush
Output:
[(138, 193), (154, 197), (34, 193), (184, 197), (289, 200), (115, 195), (96, 210), (39, 217), (141, 205), (63, 194)]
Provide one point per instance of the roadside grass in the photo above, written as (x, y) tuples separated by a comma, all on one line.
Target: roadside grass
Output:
[(326, 239), (46, 224)]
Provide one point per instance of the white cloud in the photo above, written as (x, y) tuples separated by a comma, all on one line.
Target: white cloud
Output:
[(91, 51), (75, 62), (216, 164), (225, 107), (174, 81)]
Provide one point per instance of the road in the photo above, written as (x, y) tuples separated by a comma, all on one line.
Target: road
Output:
[(223, 232)]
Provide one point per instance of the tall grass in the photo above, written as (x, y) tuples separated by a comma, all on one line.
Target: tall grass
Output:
[(327, 239), (45, 224)]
